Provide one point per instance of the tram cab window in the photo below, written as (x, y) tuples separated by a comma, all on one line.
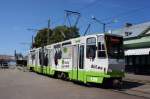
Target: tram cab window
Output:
[(91, 48), (114, 46), (101, 48)]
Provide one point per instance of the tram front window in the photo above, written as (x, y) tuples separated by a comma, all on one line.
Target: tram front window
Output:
[(101, 48), (91, 48), (114, 47)]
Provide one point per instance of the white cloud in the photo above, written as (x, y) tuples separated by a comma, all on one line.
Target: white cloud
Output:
[(90, 1), (81, 1)]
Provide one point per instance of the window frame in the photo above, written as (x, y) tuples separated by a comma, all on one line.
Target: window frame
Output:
[(81, 57), (102, 42), (89, 44), (57, 48), (66, 46)]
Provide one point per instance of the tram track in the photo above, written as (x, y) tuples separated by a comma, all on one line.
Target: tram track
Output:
[(140, 81), (124, 92), (133, 91)]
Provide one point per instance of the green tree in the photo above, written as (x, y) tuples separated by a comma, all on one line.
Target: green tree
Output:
[(42, 37), (61, 33), (58, 34)]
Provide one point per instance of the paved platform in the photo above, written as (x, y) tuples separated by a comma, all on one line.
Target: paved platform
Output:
[(17, 84), (138, 78), (137, 84)]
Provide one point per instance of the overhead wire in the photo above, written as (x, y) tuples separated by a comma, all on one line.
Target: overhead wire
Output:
[(89, 5), (124, 14), (99, 2)]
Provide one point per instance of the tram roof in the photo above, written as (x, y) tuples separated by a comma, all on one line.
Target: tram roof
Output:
[(96, 34)]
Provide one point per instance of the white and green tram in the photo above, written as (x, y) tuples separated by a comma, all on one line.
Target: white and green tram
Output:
[(90, 59)]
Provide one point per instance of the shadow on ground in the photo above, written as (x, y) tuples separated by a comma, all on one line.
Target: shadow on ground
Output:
[(125, 86), (130, 85)]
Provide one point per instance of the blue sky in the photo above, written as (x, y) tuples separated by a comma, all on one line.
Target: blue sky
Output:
[(16, 16)]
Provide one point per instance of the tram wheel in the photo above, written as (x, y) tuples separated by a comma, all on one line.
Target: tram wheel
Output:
[(117, 84)]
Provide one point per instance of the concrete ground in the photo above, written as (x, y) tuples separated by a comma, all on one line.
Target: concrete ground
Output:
[(138, 78), (16, 84), (137, 85)]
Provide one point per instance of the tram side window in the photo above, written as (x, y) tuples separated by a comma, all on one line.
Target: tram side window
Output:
[(40, 57), (81, 59), (36, 58), (101, 50), (50, 57), (57, 51), (91, 48), (46, 60), (66, 52), (33, 57)]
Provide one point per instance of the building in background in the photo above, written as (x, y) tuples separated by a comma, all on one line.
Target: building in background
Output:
[(137, 47), (6, 61), (20, 59)]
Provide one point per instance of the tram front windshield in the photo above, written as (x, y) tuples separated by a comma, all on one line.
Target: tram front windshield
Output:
[(114, 46)]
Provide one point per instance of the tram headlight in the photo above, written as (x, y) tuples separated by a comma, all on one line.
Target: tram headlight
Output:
[(122, 70), (105, 70), (109, 70)]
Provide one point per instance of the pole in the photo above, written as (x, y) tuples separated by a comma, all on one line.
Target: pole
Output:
[(102, 23), (87, 29), (32, 42), (48, 30), (104, 27), (69, 13)]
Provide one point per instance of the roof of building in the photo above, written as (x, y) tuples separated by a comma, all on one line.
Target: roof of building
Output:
[(139, 51), (134, 30), (7, 58)]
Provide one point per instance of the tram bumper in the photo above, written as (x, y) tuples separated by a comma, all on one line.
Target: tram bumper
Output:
[(113, 79), (97, 77), (115, 74)]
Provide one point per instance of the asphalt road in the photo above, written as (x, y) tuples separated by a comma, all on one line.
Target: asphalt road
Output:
[(16, 84)]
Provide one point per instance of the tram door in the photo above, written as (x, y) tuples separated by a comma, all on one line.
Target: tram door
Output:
[(78, 62)]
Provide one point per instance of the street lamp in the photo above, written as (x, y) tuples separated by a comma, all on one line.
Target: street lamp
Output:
[(42, 46), (103, 23), (35, 30), (48, 31)]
